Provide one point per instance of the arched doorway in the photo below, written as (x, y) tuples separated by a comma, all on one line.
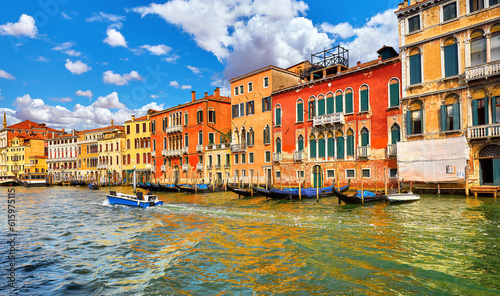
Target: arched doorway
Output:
[(317, 176), (489, 165)]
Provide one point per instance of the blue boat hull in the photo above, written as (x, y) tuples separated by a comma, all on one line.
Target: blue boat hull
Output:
[(116, 200)]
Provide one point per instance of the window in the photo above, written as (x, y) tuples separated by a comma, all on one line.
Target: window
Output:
[(267, 156), (250, 108), (414, 119), (267, 135), (329, 104), (266, 104), (250, 157), (278, 145), (340, 145), (200, 137), (211, 138), (395, 134), (241, 89), (266, 82), (495, 41), (349, 108), (300, 111), (331, 145), (495, 109), (393, 92), (393, 173), (350, 173), (236, 91), (137, 130), (350, 142), (366, 173), (365, 137), (236, 159), (185, 119), (321, 146), (312, 146), (450, 114), (250, 137), (243, 158), (250, 87), (300, 143), (186, 140), (144, 127), (211, 115), (480, 108), (449, 11), (321, 105), (413, 23), (339, 104), (278, 174), (475, 5), (228, 157), (311, 108), (478, 48), (300, 174), (199, 116), (450, 50), (128, 129), (363, 99), (415, 66), (277, 115)]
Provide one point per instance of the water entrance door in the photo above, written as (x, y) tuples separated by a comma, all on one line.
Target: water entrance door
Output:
[(496, 171), (317, 176)]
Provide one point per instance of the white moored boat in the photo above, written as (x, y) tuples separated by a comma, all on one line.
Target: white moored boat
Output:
[(8, 181), (403, 197)]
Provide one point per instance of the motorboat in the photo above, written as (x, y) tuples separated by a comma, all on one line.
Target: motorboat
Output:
[(403, 197), (8, 181), (139, 200)]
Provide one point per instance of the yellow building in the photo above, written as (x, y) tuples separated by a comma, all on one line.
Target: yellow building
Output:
[(36, 164), (137, 149), (450, 56), (21, 151), (111, 149), (217, 164)]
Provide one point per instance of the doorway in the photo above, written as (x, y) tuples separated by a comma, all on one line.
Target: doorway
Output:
[(489, 165), (317, 176)]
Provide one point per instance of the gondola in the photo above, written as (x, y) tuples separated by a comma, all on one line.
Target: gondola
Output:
[(153, 187), (169, 187), (242, 191), (93, 186), (355, 199), (200, 188), (305, 193), (143, 186)]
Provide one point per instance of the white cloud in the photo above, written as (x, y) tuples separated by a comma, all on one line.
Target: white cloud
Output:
[(86, 93), (65, 16), (344, 30), (154, 96), (172, 58), (115, 38), (6, 75), (10, 114), (66, 48), (195, 70), (175, 84), (105, 17), (80, 117), (63, 100), (42, 59), (186, 87), (114, 78), (24, 27), (160, 49), (77, 67)]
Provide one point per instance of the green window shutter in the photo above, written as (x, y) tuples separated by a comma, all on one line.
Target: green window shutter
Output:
[(321, 107), (348, 103), (486, 118), (456, 116), (321, 148), (338, 104), (331, 147), (394, 95), (329, 105), (185, 119), (408, 123), (214, 116), (443, 118), (364, 100), (475, 121), (340, 147), (350, 145), (446, 13), (364, 139), (300, 112), (278, 116), (415, 69), (312, 148), (300, 145), (278, 146), (451, 60), (493, 110), (395, 136)]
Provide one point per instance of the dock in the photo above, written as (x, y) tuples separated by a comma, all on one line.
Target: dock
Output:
[(485, 190)]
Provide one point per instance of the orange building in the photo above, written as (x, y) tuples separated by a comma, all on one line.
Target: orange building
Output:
[(180, 136)]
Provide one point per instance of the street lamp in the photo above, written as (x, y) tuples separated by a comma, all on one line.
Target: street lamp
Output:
[(109, 178), (134, 180)]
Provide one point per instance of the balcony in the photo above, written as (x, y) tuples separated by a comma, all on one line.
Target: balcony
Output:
[(218, 166), (209, 166), (276, 157), (185, 150), (199, 148), (163, 168), (173, 129), (172, 153), (199, 167), (185, 167), (329, 119), (364, 151), (164, 152), (218, 146), (238, 147), (482, 71), (102, 166), (299, 156), (484, 131), (227, 165), (392, 150)]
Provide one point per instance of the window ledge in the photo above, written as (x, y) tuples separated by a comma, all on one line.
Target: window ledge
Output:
[(451, 131), (414, 32), (393, 108), (363, 112), (449, 21), (415, 85), (415, 135), (299, 122), (449, 78)]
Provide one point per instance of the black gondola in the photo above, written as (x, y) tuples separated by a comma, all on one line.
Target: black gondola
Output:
[(353, 199), (169, 188), (306, 193), (242, 191)]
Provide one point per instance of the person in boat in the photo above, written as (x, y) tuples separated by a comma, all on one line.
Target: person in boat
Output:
[(140, 195), (149, 192)]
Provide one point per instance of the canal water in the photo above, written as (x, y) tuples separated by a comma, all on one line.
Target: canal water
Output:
[(70, 241)]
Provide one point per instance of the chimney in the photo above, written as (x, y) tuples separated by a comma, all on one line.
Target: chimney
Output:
[(206, 94), (112, 122), (133, 117), (63, 130), (217, 93), (4, 120), (359, 63), (193, 96), (380, 58)]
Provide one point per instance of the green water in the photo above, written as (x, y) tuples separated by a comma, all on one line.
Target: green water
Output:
[(73, 243)]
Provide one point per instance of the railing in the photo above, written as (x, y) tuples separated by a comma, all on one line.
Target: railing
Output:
[(218, 166), (164, 152), (276, 157), (482, 71), (173, 129), (171, 153), (218, 146), (102, 166), (54, 159), (392, 150), (329, 119), (199, 166), (299, 155), (199, 148), (363, 151), (209, 167), (185, 150), (227, 165), (484, 131), (238, 147), (163, 168), (185, 167)]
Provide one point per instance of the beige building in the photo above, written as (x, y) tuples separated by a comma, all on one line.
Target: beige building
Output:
[(111, 150)]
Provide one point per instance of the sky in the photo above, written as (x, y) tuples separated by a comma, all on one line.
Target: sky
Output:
[(79, 64)]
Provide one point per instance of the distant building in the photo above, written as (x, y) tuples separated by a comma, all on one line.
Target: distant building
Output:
[(62, 157), (138, 149), (111, 151)]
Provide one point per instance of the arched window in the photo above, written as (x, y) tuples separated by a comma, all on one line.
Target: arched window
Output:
[(267, 135), (164, 142), (149, 157), (144, 159), (364, 104), (199, 115), (243, 140), (211, 115), (154, 145), (414, 119), (311, 108), (186, 140), (329, 104), (365, 137), (450, 113), (277, 115), (321, 146), (349, 107), (278, 145), (450, 51), (312, 146), (495, 43), (340, 144), (394, 92), (415, 66), (137, 158), (350, 142), (331, 145), (395, 134), (128, 143), (339, 104), (479, 107), (185, 118), (477, 48), (321, 105), (128, 158), (200, 137), (300, 143), (250, 137), (300, 111)]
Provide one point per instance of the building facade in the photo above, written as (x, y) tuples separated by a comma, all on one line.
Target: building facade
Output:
[(138, 149), (450, 53), (111, 151), (20, 153), (62, 157)]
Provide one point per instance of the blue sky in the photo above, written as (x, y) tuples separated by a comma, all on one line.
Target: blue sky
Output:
[(79, 64)]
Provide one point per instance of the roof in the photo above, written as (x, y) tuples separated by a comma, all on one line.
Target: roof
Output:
[(100, 129), (212, 98), (267, 68), (28, 124)]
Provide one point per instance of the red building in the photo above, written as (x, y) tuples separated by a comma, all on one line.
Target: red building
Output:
[(180, 136), (339, 123)]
